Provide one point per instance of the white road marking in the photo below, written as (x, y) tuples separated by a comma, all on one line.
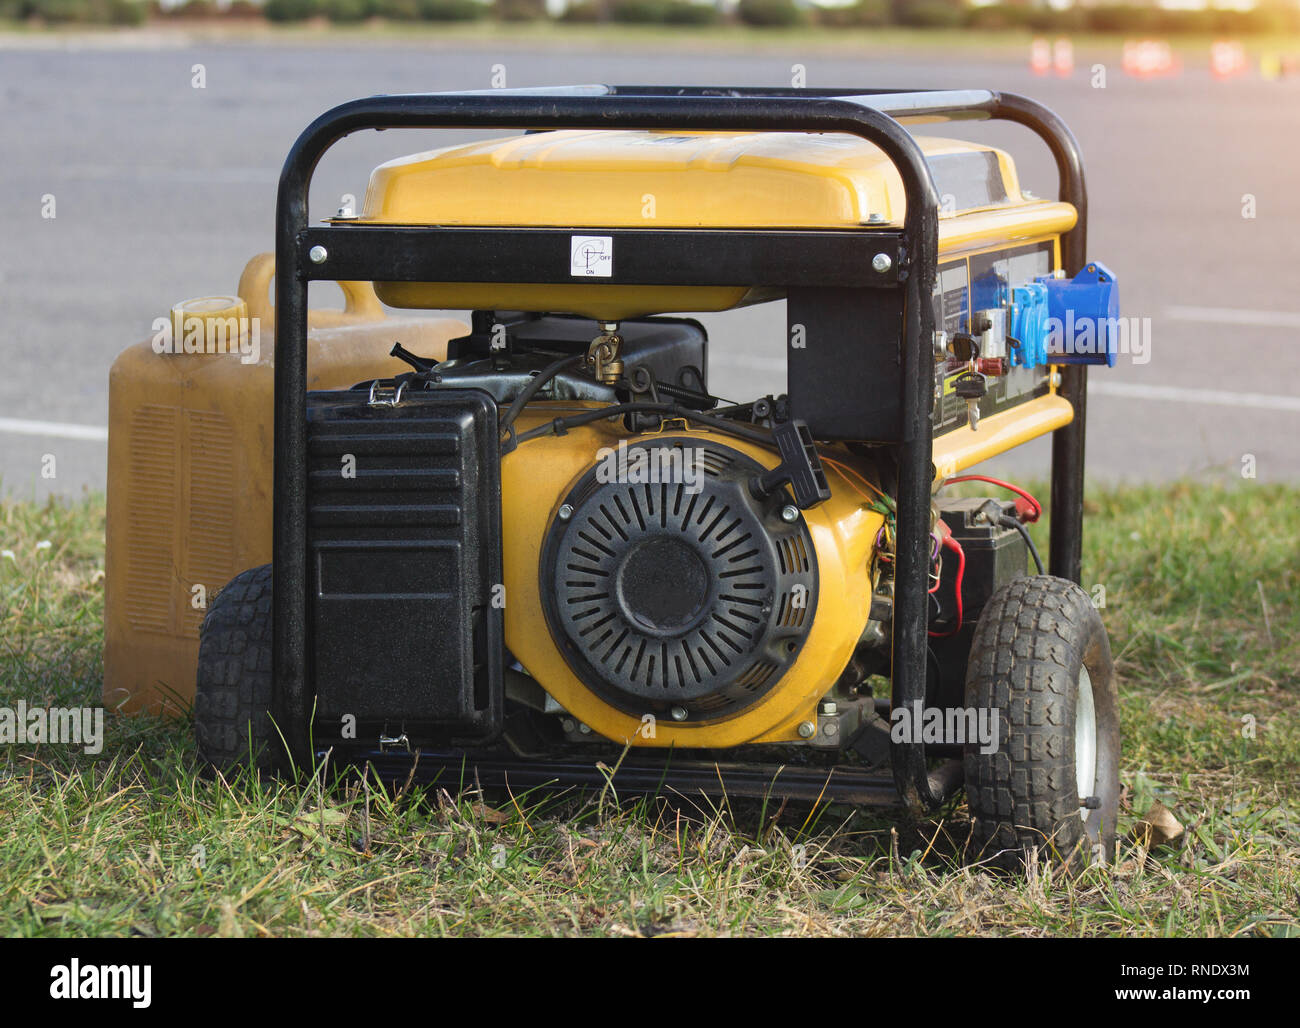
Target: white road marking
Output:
[(1235, 316), (54, 429), (1180, 394)]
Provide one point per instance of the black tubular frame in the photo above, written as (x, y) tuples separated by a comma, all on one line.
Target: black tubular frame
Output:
[(414, 254)]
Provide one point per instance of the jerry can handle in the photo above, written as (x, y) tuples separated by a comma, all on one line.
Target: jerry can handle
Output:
[(360, 304)]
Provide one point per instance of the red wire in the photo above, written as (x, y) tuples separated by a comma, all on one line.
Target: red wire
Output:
[(1038, 507), (953, 544)]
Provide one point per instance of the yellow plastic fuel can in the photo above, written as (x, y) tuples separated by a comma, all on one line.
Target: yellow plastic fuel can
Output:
[(189, 464)]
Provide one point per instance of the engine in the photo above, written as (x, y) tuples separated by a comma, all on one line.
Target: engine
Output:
[(560, 518), (632, 559), (662, 584)]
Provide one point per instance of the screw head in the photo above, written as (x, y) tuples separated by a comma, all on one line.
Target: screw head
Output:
[(317, 254), (678, 713), (584, 728), (807, 729), (881, 262), (790, 513), (565, 512)]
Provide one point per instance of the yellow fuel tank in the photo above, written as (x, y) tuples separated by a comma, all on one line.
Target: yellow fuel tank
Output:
[(189, 464), (605, 179)]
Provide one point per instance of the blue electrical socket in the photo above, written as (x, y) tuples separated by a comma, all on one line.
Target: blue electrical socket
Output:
[(1083, 317)]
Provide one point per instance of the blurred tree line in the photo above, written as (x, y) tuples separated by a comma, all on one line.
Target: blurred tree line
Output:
[(775, 14)]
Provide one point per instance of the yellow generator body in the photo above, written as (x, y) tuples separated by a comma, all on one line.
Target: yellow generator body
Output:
[(189, 465), (714, 180)]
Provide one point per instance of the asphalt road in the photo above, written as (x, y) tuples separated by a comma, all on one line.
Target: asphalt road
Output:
[(163, 191)]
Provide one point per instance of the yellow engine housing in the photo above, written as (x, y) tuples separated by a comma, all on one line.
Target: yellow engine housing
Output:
[(534, 480)]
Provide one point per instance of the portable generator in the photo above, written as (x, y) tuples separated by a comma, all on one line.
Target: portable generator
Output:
[(556, 552)]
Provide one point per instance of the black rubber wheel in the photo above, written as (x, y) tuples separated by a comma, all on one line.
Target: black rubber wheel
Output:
[(232, 697), (1039, 655)]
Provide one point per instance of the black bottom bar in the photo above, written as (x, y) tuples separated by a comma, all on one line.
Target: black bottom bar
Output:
[(644, 775)]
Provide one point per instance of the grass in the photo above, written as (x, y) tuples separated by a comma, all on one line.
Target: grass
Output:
[(1201, 588)]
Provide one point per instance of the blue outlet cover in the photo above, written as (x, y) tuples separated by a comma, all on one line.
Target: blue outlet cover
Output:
[(1082, 324)]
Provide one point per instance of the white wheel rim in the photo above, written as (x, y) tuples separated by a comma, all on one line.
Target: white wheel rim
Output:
[(1085, 740)]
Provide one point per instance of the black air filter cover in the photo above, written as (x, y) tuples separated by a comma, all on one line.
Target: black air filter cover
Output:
[(668, 584), (405, 553)]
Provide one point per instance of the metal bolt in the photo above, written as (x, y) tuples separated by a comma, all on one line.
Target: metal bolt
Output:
[(584, 729), (829, 708), (875, 219), (317, 254), (678, 713), (807, 729), (790, 513), (881, 262), (346, 213), (565, 512), (567, 724), (830, 729)]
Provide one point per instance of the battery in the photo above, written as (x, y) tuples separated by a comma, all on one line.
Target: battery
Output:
[(995, 554)]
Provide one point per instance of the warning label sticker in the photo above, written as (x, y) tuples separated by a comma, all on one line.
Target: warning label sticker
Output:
[(591, 256)]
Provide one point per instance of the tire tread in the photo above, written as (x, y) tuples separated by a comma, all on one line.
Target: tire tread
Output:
[(1024, 653), (232, 698)]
